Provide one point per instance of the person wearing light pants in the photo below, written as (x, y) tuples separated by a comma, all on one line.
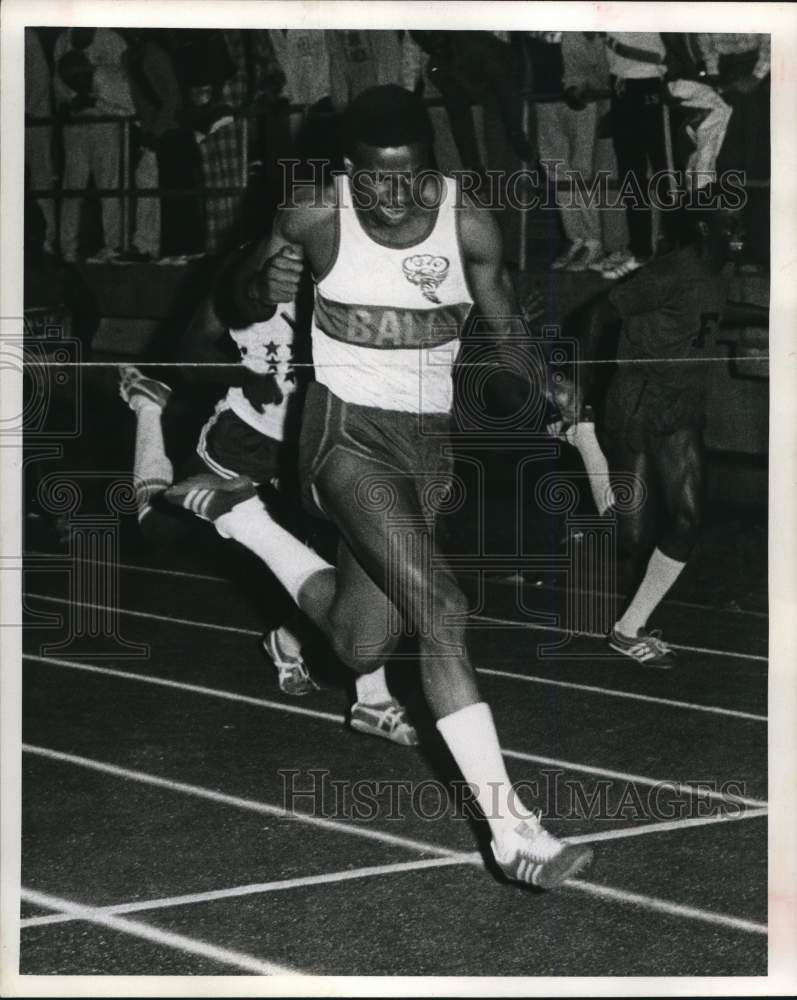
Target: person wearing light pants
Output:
[(567, 141)]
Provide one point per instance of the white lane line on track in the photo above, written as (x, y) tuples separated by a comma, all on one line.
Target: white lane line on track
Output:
[(241, 630), (667, 602), (533, 627), (252, 805), (665, 906), (467, 858), (150, 615), (330, 717), (614, 693), (667, 826), (487, 619), (638, 779), (168, 939), (373, 871), (258, 888)]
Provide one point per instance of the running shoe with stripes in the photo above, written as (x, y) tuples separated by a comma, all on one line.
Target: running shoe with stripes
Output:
[(647, 648), (537, 858), (133, 383), (209, 496), (387, 720), (624, 268), (609, 261), (292, 673)]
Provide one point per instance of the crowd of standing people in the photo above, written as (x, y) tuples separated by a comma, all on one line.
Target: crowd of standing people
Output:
[(196, 122)]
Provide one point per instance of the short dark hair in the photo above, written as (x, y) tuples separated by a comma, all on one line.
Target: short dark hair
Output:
[(385, 117)]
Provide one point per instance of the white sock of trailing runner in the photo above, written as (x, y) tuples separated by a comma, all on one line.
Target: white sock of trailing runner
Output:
[(660, 575), (582, 437), (470, 735), (372, 688), (290, 560), (152, 470)]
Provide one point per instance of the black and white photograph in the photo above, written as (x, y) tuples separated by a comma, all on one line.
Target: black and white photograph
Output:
[(396, 582)]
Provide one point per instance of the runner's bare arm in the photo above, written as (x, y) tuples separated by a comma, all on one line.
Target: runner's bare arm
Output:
[(497, 310), (270, 272)]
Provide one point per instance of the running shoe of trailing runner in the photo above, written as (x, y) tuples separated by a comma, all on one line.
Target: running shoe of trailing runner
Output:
[(646, 648), (387, 720), (535, 857), (210, 496), (609, 261), (624, 268), (133, 383), (292, 673)]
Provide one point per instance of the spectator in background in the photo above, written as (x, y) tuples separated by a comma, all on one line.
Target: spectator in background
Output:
[(636, 65), (705, 115), (567, 136), (302, 122), (206, 67), (739, 65), (90, 81), (157, 100), (362, 59), (39, 138), (477, 67)]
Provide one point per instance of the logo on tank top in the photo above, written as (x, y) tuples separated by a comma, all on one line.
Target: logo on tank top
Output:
[(427, 272)]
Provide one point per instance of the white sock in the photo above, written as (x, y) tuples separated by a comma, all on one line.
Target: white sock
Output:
[(152, 470), (372, 688), (582, 437), (661, 574), (471, 737), (290, 560)]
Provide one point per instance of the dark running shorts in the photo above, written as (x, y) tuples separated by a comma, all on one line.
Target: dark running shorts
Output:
[(388, 440), (230, 447), (641, 411)]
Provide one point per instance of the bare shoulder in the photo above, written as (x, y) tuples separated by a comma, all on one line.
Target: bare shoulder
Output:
[(306, 211), (478, 231)]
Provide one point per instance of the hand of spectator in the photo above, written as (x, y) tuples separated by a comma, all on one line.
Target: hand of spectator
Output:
[(575, 98), (278, 279), (261, 390)]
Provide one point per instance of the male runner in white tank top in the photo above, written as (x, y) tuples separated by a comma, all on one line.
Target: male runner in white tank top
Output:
[(396, 277)]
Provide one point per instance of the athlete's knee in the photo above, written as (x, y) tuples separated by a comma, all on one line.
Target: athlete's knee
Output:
[(362, 643), (449, 609), (360, 653)]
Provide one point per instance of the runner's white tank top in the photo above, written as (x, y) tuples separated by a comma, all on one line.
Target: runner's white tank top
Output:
[(387, 320)]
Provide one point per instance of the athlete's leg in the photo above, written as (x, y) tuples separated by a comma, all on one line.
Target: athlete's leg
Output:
[(636, 522), (679, 464), (152, 469), (432, 608)]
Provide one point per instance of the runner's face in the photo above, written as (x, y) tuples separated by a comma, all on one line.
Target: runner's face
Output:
[(383, 178)]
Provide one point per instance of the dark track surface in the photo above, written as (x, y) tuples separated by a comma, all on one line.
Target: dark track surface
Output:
[(688, 898)]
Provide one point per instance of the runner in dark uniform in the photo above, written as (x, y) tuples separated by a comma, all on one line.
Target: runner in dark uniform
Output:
[(655, 409)]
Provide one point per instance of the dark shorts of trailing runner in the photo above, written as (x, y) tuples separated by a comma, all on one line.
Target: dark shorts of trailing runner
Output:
[(379, 445), (230, 447), (641, 411)]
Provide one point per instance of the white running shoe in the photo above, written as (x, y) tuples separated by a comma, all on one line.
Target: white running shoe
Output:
[(388, 720), (535, 857), (293, 676)]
